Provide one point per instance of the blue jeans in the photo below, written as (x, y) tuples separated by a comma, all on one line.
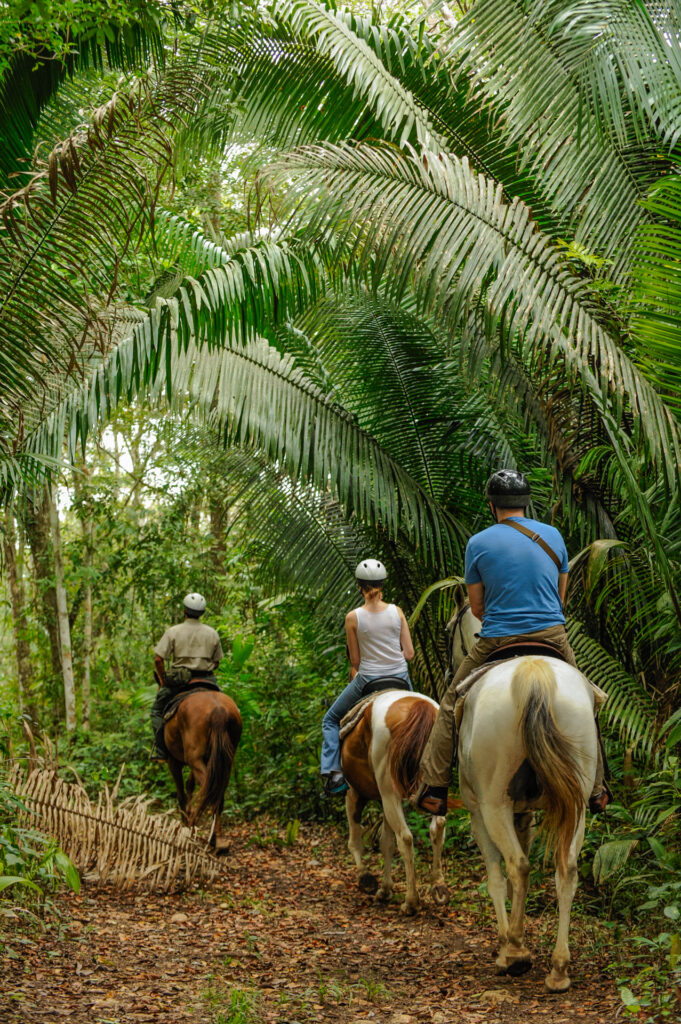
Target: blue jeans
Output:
[(351, 695)]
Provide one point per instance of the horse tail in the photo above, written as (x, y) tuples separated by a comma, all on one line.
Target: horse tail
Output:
[(549, 752), (408, 738), (224, 732)]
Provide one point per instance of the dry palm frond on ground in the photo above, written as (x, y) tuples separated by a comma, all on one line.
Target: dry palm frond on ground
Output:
[(120, 843)]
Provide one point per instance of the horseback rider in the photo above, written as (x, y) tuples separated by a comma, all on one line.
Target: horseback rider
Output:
[(379, 645), (517, 589), (194, 651)]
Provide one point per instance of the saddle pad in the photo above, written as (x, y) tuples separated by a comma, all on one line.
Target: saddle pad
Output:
[(352, 717), (177, 698)]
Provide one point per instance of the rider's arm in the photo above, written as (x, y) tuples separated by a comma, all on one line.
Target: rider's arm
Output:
[(476, 599), (405, 638), (562, 586), (160, 670), (353, 642)]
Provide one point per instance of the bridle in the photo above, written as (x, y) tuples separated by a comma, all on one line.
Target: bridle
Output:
[(457, 624)]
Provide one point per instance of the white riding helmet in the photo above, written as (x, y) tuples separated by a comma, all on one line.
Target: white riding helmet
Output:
[(370, 571), (195, 603)]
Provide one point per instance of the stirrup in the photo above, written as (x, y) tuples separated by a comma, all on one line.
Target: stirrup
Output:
[(336, 787)]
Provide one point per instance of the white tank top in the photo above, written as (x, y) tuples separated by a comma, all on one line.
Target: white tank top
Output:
[(378, 634)]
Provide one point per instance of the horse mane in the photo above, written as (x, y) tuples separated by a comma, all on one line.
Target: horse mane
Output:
[(549, 752), (408, 738)]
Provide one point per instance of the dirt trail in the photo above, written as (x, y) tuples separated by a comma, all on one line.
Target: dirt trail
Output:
[(285, 936)]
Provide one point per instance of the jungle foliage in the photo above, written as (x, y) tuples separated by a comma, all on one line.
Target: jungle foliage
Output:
[(323, 268)]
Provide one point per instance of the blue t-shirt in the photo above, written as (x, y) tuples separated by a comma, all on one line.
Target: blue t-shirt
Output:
[(520, 579)]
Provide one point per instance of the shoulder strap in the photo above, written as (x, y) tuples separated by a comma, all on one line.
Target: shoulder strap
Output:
[(536, 538)]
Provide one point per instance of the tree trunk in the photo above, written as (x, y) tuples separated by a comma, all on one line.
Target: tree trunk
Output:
[(87, 529), (37, 526), (63, 620), (15, 575)]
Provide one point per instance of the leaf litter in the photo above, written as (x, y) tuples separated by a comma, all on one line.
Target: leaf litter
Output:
[(283, 936)]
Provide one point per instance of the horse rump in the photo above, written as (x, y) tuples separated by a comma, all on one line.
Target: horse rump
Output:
[(223, 734), (549, 752), (408, 738)]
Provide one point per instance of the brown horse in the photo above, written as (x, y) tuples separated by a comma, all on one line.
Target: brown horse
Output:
[(204, 734), (380, 758)]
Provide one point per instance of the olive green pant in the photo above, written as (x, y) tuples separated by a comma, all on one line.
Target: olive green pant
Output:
[(436, 763)]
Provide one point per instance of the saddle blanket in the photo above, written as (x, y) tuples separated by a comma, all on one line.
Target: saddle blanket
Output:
[(177, 698), (352, 717)]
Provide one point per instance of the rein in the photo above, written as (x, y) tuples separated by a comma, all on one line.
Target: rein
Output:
[(458, 625)]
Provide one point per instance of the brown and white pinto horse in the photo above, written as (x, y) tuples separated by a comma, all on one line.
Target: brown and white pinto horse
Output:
[(204, 734), (380, 759)]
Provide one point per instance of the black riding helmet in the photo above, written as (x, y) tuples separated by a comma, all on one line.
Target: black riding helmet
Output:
[(507, 488)]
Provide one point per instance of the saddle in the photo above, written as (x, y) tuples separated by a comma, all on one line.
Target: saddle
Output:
[(521, 648), (177, 698), (375, 686)]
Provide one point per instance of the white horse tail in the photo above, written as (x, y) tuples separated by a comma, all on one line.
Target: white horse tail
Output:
[(549, 752), (408, 738)]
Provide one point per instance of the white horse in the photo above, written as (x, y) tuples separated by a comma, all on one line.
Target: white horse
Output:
[(380, 758), (527, 741)]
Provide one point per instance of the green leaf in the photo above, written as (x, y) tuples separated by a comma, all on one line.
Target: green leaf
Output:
[(7, 880)]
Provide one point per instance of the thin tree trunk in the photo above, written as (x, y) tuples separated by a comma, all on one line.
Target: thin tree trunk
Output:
[(87, 529), (87, 629), (37, 526), (63, 620), (15, 575)]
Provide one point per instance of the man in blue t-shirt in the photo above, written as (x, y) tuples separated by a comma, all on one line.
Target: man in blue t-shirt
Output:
[(516, 575)]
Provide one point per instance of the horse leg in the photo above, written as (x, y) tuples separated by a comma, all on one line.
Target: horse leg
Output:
[(385, 889), (514, 957), (394, 815), (175, 767), (524, 829), (354, 805), (438, 886), (198, 770), (496, 882), (215, 838), (566, 886)]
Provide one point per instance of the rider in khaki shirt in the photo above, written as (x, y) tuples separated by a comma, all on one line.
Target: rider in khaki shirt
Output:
[(194, 651)]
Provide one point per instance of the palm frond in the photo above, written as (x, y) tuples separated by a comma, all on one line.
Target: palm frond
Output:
[(427, 219), (629, 710), (530, 66), (32, 82), (109, 842)]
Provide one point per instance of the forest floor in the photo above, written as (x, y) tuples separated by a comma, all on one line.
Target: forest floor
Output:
[(286, 936)]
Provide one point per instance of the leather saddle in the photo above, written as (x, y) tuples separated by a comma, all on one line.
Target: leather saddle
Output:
[(384, 683), (177, 697), (519, 648)]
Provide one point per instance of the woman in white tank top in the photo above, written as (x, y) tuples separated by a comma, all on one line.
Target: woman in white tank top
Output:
[(379, 644)]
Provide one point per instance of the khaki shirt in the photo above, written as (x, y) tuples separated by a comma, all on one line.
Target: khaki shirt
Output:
[(190, 644)]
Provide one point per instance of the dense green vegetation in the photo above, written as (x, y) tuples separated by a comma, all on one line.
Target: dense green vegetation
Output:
[(280, 285)]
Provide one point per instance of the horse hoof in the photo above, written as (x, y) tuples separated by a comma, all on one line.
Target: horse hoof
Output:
[(440, 894), (383, 895), (408, 909), (368, 883), (519, 967), (556, 983), (514, 965), (221, 849)]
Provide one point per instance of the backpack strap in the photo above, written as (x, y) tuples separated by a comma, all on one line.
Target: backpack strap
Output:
[(536, 538)]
